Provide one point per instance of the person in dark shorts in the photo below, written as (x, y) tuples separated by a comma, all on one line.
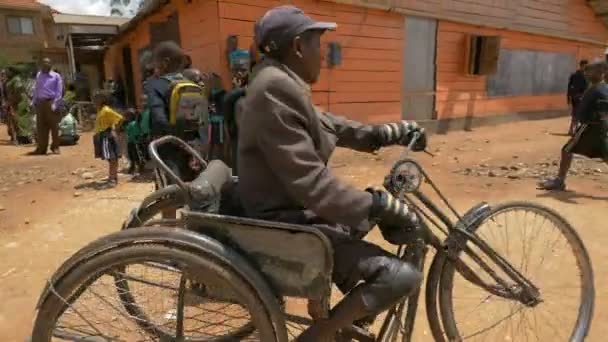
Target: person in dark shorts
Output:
[(591, 137), (577, 84), (284, 146), (105, 140)]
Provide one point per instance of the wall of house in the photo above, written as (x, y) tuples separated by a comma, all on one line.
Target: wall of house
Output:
[(367, 85), (198, 23), (573, 18), (462, 95), (21, 48)]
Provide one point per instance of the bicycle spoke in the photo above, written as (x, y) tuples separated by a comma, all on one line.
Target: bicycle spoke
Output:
[(535, 245), (179, 324)]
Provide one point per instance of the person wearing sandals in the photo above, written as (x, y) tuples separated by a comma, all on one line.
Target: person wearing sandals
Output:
[(591, 136), (105, 139)]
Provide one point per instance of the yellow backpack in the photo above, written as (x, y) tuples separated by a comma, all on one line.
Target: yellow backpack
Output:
[(188, 107)]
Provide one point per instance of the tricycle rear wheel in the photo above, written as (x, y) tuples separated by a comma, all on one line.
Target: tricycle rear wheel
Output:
[(84, 296)]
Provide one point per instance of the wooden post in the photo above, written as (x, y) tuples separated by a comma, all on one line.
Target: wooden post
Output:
[(71, 56)]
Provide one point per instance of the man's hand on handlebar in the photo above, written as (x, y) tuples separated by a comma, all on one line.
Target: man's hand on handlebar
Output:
[(396, 221), (403, 133), (417, 140)]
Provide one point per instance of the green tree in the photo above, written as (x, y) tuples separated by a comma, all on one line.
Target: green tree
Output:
[(4, 62), (126, 8)]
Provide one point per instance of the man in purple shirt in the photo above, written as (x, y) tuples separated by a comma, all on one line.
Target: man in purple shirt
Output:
[(48, 95)]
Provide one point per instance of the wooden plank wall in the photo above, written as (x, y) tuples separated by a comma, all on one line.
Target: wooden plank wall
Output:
[(367, 86), (199, 25), (137, 39), (199, 29), (461, 95), (573, 18)]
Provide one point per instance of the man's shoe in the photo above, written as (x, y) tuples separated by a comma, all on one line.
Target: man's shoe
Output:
[(555, 184), (36, 153), (111, 183), (55, 151)]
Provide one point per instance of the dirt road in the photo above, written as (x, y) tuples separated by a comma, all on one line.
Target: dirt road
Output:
[(50, 207)]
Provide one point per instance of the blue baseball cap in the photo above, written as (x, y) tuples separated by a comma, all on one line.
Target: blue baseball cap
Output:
[(283, 23)]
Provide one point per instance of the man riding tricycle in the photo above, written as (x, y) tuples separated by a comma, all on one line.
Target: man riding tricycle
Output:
[(228, 267)]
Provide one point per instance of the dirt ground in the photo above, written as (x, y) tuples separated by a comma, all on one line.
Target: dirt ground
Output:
[(50, 206)]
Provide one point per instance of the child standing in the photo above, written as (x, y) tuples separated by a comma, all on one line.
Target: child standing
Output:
[(134, 137), (143, 119), (105, 139)]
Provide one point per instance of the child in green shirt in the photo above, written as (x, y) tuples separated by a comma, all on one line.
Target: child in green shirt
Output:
[(134, 137)]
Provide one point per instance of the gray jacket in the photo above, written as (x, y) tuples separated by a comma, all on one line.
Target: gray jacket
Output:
[(284, 146)]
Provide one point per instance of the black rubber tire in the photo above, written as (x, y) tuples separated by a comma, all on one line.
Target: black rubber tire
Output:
[(588, 291), (431, 302), (393, 323), (76, 282), (145, 214)]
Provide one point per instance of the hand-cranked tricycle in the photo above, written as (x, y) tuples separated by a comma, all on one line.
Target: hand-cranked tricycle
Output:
[(511, 272)]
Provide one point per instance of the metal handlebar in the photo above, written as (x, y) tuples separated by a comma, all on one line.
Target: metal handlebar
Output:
[(415, 137), (164, 167)]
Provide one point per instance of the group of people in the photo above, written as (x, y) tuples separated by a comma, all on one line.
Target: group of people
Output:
[(168, 79), (33, 107), (112, 127)]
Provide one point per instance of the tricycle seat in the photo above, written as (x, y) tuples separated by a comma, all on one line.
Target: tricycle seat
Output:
[(297, 260)]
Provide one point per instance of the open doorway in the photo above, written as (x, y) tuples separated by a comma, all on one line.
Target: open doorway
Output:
[(128, 81)]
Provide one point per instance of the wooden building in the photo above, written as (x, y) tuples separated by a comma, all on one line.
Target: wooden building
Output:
[(446, 60)]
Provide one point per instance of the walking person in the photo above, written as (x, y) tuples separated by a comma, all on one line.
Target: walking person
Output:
[(577, 84), (48, 95), (591, 136)]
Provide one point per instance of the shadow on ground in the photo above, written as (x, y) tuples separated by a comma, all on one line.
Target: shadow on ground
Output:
[(570, 196), (94, 185)]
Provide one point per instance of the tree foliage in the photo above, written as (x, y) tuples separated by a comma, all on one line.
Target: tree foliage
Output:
[(126, 8)]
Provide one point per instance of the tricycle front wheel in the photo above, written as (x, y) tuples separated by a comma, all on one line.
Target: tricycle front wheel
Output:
[(544, 248)]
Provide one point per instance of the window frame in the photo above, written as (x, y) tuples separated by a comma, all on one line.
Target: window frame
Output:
[(20, 19)]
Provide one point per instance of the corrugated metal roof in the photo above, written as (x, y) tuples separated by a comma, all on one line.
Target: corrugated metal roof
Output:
[(88, 19), (21, 4)]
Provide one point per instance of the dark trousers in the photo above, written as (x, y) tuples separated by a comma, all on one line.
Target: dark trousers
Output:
[(47, 120), (133, 153)]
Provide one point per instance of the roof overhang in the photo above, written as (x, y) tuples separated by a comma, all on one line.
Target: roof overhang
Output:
[(600, 7), (150, 8), (72, 19)]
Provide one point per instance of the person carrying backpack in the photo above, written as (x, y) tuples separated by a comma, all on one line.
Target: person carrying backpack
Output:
[(178, 107)]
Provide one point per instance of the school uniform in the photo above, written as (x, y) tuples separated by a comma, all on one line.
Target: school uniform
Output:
[(133, 138), (105, 142), (591, 137)]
